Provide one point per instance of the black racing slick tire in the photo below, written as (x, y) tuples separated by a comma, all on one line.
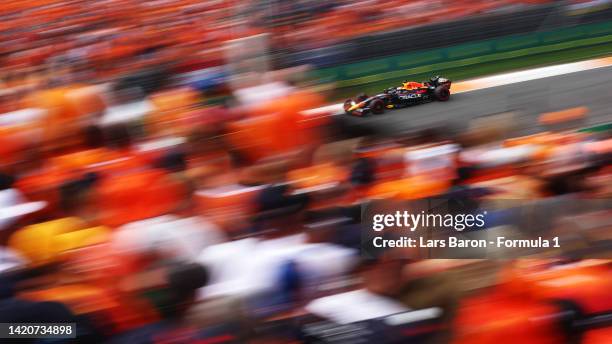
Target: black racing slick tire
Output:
[(442, 93), (377, 107)]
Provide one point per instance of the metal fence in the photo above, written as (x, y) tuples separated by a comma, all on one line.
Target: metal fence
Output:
[(427, 37)]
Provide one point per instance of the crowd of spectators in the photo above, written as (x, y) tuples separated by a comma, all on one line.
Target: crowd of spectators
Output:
[(104, 39), (228, 223), (177, 222)]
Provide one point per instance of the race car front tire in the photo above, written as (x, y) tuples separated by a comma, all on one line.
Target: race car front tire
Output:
[(377, 107), (347, 105), (442, 93)]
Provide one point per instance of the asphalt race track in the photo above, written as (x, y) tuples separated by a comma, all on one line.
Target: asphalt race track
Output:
[(592, 88)]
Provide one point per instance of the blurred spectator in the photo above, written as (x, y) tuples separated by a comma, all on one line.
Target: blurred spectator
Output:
[(273, 269), (171, 287), (9, 197), (13, 206)]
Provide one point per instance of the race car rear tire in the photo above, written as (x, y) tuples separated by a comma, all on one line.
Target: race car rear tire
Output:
[(442, 93), (377, 107)]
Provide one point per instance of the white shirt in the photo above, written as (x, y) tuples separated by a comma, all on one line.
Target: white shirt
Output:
[(8, 199), (354, 306), (10, 259), (250, 266), (174, 237)]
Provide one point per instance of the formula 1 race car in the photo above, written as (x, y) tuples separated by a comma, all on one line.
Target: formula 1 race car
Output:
[(410, 93)]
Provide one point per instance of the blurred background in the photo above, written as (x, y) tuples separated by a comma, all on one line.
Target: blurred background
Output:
[(179, 171)]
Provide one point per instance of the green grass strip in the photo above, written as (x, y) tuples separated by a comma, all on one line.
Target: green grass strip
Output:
[(599, 128), (477, 60)]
